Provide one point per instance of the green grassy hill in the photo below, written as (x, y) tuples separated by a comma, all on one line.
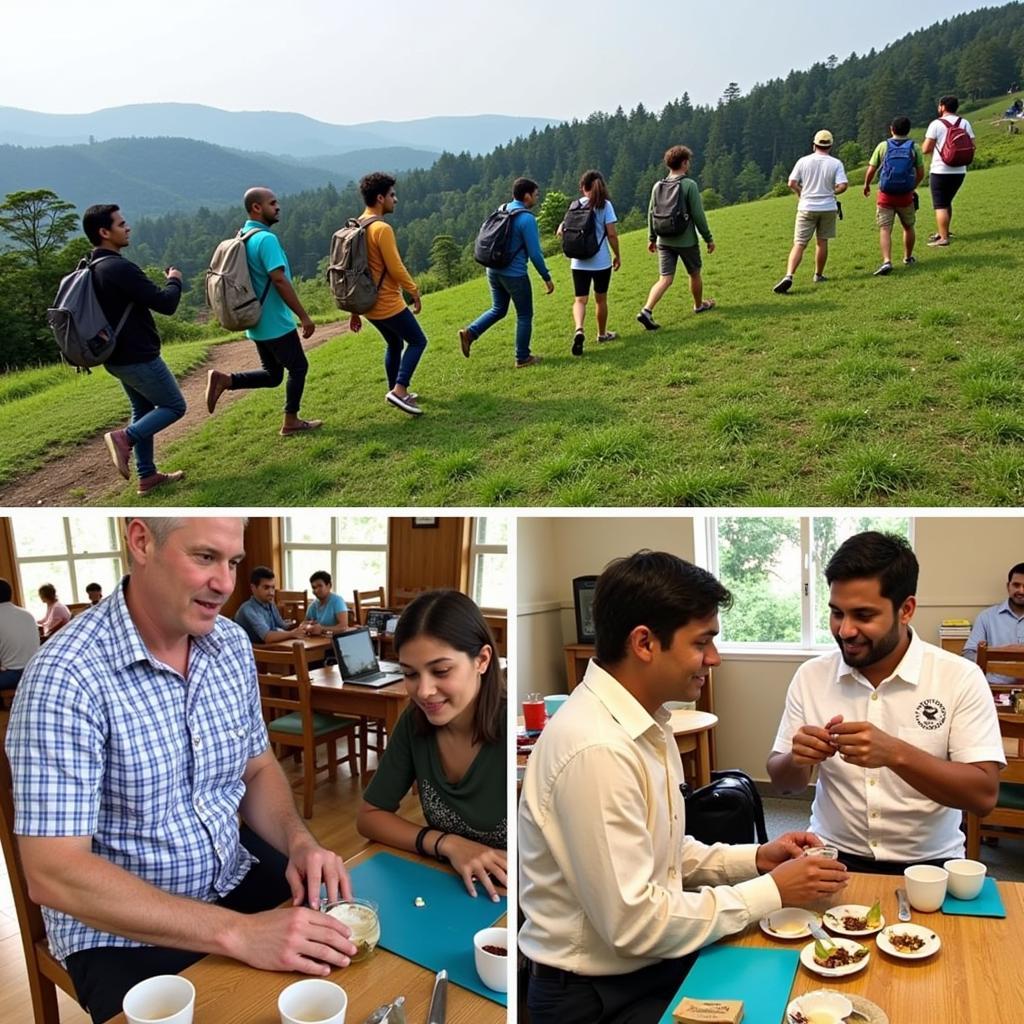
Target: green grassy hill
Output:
[(905, 390)]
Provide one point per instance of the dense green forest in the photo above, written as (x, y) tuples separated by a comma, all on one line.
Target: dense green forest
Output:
[(744, 146)]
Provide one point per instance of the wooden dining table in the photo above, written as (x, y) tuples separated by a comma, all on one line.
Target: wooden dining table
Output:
[(331, 695), (229, 992), (691, 730), (976, 977)]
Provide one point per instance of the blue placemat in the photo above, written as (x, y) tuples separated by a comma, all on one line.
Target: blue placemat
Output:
[(988, 903), (762, 978), (438, 935)]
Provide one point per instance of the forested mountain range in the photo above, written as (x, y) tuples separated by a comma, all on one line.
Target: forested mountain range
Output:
[(743, 144)]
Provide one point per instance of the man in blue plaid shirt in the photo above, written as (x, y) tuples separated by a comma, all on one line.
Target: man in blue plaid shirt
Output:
[(136, 741)]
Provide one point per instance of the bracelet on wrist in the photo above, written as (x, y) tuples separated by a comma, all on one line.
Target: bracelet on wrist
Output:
[(419, 840), (437, 853)]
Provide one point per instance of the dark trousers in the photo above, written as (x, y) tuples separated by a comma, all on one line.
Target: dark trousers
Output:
[(278, 355), (102, 976), (640, 997), (405, 342), (868, 866)]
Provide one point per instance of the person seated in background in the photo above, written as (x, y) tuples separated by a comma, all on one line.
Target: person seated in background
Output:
[(450, 741), (94, 592), (904, 734), (616, 897), (259, 616), (329, 610), (19, 638), (56, 615), (1002, 625)]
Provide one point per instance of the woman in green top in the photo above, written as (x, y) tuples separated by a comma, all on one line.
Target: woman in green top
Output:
[(450, 741)]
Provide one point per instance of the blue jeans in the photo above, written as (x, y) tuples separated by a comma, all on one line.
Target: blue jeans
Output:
[(520, 292), (406, 341), (156, 402)]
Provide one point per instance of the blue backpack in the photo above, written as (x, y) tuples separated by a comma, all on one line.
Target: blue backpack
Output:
[(899, 168)]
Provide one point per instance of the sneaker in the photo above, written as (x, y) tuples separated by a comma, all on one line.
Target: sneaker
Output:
[(783, 286), (705, 306), (528, 361), (465, 340), (647, 319), (936, 237), (216, 384), (298, 428), (154, 480), (609, 336), (909, 261), (938, 242), (577, 343), (820, 278), (120, 447), (407, 403), (885, 268)]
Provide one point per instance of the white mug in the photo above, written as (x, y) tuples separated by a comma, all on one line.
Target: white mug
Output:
[(966, 877), (164, 999), (313, 1001), (926, 886)]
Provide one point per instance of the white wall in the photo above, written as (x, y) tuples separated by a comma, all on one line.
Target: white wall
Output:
[(964, 560)]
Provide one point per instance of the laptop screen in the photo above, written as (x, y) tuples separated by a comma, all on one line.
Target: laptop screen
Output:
[(355, 652)]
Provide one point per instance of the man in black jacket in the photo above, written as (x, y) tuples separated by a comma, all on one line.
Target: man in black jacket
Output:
[(153, 392)]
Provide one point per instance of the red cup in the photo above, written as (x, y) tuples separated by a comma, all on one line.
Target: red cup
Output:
[(533, 715)]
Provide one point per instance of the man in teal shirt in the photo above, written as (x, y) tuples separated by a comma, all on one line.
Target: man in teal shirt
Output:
[(277, 340)]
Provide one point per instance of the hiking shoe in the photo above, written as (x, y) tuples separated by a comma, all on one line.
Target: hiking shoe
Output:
[(938, 242), (120, 447), (783, 286), (528, 361), (609, 336), (154, 480), (216, 384), (820, 278), (909, 261), (647, 319), (465, 340), (885, 268), (404, 402), (577, 343)]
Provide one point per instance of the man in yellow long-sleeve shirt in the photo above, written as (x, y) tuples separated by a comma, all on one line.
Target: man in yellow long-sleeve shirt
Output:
[(390, 315)]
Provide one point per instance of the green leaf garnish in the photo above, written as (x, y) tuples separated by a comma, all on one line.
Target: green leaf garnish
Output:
[(874, 915)]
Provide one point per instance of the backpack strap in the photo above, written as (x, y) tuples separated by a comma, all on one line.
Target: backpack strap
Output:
[(245, 236), (365, 222), (89, 262)]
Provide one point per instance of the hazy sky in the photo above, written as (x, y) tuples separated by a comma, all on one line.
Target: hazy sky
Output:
[(350, 62)]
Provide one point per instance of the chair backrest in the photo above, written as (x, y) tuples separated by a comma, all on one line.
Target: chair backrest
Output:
[(43, 970), (1003, 661), (280, 696), (78, 607), (292, 604), (499, 627), (364, 600)]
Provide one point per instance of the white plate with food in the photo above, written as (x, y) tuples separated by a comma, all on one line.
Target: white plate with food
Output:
[(908, 941), (853, 919), (820, 1005), (789, 923), (843, 956)]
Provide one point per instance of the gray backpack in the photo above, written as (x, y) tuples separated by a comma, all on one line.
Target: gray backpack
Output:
[(229, 292), (78, 322), (348, 271), (670, 213)]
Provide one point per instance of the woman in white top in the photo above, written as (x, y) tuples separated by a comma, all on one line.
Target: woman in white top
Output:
[(596, 270)]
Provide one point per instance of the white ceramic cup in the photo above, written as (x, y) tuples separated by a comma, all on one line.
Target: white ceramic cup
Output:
[(553, 701), (966, 877), (493, 969), (926, 886), (313, 1001), (164, 999)]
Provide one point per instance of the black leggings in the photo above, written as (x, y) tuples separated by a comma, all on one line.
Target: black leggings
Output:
[(278, 355), (102, 976)]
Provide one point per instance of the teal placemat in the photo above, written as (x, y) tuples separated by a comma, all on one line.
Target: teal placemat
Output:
[(762, 978), (988, 903), (438, 935)]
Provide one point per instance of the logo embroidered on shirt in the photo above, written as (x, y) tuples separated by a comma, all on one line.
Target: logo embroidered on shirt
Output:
[(930, 714)]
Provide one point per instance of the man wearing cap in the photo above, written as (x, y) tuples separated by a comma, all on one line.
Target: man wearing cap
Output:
[(817, 179)]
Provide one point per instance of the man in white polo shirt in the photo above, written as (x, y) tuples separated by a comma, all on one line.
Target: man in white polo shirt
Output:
[(904, 735), (945, 179), (615, 896), (19, 638)]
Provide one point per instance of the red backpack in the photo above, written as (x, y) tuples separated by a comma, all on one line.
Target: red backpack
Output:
[(958, 147)]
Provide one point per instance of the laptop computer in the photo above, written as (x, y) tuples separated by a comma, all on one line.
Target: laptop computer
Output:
[(357, 660), (378, 618)]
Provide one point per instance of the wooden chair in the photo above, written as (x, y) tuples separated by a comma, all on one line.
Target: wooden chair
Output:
[(1003, 661), (364, 600), (292, 604), (499, 627), (291, 721), (1009, 809), (45, 974), (78, 607)]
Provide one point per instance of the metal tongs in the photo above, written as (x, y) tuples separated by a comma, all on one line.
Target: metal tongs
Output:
[(439, 1000), (390, 1013)]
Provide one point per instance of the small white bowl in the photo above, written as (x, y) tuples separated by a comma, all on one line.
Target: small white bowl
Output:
[(826, 1006), (966, 877), (493, 969)]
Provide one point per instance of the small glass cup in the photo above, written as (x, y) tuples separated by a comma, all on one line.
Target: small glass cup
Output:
[(362, 917), (823, 903)]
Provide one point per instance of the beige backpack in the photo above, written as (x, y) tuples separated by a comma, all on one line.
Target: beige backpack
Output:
[(229, 293)]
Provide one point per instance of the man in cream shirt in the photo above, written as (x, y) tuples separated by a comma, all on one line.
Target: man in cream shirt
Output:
[(904, 735), (616, 898)]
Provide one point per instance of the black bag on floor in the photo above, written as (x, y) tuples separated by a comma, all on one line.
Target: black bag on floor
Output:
[(727, 810)]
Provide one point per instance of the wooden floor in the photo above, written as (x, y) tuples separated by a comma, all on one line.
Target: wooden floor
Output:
[(333, 823)]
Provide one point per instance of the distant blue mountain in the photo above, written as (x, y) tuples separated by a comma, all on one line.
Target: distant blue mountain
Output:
[(277, 133)]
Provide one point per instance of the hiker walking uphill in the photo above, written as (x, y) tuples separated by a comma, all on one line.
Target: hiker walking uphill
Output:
[(275, 335), (674, 217), (397, 324), (126, 296), (902, 168), (505, 241), (950, 140)]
